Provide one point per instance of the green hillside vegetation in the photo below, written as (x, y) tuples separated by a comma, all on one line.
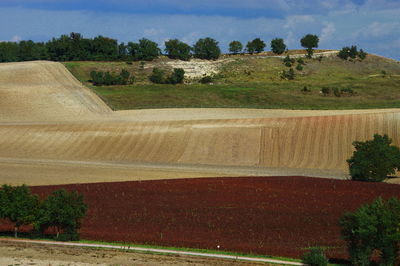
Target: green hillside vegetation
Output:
[(256, 82)]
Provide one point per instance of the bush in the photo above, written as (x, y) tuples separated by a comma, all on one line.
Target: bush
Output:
[(158, 76), (206, 80), (372, 228), (300, 61), (326, 91), (177, 76), (315, 257), (107, 78), (289, 75), (299, 67), (374, 160), (351, 52), (336, 92), (347, 90), (306, 89), (288, 61)]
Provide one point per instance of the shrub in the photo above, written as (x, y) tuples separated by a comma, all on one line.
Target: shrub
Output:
[(107, 78), (305, 89), (347, 90), (315, 257), (157, 76), (206, 80), (177, 76), (326, 90), (373, 160), (336, 92), (300, 61), (288, 61), (289, 75), (373, 227), (299, 67)]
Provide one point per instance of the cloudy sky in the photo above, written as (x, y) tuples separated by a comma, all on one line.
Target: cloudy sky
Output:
[(373, 25)]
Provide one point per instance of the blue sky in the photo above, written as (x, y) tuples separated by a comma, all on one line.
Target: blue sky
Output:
[(373, 25)]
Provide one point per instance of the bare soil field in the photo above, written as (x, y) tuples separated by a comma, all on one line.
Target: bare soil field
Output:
[(57, 131), (276, 216), (39, 255)]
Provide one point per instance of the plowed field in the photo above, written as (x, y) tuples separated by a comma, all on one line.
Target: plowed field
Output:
[(52, 127), (263, 215)]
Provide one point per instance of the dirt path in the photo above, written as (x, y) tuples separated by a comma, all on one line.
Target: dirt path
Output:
[(25, 252)]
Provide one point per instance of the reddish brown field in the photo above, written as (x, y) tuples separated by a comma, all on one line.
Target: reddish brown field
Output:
[(277, 216)]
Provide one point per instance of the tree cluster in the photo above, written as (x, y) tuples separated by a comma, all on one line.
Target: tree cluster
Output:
[(74, 47), (158, 76), (106, 78), (351, 52), (61, 210), (373, 228)]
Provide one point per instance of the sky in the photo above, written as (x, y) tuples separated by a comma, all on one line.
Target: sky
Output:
[(373, 25)]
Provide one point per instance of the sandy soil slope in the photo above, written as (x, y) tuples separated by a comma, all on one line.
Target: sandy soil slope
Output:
[(52, 126)]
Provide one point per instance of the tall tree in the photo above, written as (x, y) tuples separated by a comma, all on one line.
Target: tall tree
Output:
[(309, 42), (207, 48), (176, 49), (255, 46), (146, 50), (18, 205), (235, 47), (373, 160), (64, 211), (278, 46), (8, 51)]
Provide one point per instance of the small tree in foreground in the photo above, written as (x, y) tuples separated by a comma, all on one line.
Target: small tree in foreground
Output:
[(18, 205), (62, 210), (315, 257), (374, 227), (374, 160)]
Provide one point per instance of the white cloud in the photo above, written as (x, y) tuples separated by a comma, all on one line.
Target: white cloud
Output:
[(16, 38), (295, 21), (327, 31)]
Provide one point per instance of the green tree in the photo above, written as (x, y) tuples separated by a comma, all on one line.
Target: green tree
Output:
[(278, 46), (146, 50), (18, 205), (309, 42), (62, 210), (374, 160), (176, 49), (255, 46), (373, 227), (8, 52), (235, 47), (207, 48)]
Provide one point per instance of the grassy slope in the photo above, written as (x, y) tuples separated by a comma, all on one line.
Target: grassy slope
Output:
[(262, 88)]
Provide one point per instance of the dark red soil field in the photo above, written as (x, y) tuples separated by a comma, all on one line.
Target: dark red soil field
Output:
[(277, 216)]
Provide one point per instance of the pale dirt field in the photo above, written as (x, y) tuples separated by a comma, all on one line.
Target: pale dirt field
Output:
[(56, 131), (24, 254)]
